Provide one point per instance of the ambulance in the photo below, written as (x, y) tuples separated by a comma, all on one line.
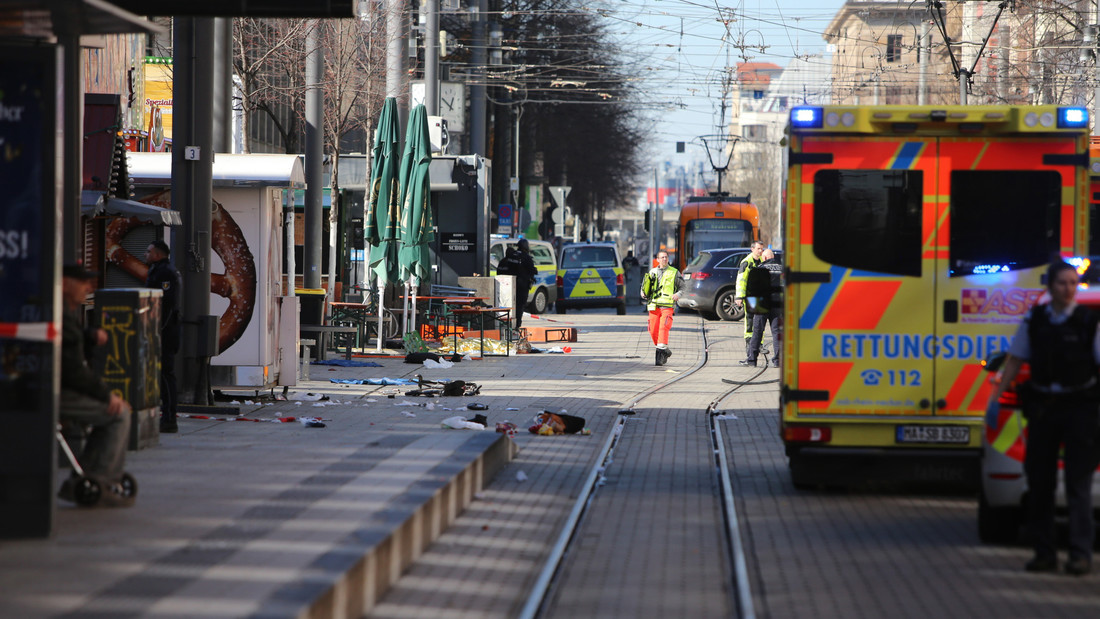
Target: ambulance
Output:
[(916, 237)]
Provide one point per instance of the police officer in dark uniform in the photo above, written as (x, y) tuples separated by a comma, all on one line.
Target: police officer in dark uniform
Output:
[(518, 262), (164, 277), (1060, 341)]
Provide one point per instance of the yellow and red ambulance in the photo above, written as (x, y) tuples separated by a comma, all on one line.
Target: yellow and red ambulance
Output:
[(916, 237)]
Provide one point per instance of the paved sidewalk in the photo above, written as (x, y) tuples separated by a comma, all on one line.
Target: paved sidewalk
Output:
[(273, 519)]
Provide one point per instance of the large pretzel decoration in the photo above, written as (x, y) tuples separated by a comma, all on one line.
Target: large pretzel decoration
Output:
[(237, 284)]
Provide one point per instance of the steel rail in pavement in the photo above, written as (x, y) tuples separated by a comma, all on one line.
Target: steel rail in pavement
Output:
[(553, 561)]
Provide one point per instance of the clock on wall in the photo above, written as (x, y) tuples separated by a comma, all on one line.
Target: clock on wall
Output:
[(452, 102)]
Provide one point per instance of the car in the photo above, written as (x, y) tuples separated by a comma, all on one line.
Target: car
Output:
[(1003, 489), (710, 282), (544, 290), (590, 275)]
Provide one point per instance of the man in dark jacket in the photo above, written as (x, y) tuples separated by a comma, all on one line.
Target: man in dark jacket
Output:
[(85, 399), (518, 262), (164, 277)]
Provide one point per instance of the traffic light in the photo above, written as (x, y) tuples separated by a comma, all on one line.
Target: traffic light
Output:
[(648, 218)]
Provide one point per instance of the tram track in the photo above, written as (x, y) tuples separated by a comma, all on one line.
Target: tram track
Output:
[(596, 475)]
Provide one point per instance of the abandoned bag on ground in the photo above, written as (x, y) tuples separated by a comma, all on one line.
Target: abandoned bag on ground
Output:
[(560, 423)]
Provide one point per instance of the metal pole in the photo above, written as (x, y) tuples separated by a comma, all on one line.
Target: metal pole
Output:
[(192, 172), (431, 56), (72, 140), (964, 77), (311, 261), (395, 49), (922, 80), (478, 99), (223, 85)]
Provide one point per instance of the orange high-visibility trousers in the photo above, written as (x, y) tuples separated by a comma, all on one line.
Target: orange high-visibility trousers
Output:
[(660, 323)]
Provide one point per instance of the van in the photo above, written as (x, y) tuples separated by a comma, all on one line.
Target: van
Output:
[(916, 239), (591, 275), (544, 289)]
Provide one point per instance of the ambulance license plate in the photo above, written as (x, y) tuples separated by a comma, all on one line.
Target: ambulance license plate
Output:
[(933, 434), (590, 280)]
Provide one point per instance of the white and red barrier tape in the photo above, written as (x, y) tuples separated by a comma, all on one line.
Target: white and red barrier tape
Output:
[(34, 331)]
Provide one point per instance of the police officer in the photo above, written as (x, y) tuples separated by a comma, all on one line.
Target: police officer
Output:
[(661, 289), (754, 259), (164, 277), (518, 262), (1060, 341), (767, 310)]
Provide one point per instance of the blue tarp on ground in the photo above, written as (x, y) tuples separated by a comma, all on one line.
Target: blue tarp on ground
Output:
[(349, 363), (372, 381)]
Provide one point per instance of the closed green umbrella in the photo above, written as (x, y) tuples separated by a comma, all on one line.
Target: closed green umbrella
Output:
[(415, 230), (381, 220)]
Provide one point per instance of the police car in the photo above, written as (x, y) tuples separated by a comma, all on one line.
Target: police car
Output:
[(1003, 491), (590, 275), (544, 290)]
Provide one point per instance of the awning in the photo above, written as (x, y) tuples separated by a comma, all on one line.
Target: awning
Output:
[(95, 204)]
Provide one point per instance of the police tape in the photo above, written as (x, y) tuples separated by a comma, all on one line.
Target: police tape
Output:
[(275, 420)]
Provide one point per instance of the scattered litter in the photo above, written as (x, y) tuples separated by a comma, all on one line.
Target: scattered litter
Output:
[(511, 408), (406, 403), (447, 408), (311, 422), (253, 419), (726, 417), (372, 381), (549, 424), (521, 476), (248, 402), (308, 397), (458, 423), (479, 419), (421, 357), (349, 363), (507, 428), (476, 406), (371, 400), (408, 413), (441, 364), (430, 406)]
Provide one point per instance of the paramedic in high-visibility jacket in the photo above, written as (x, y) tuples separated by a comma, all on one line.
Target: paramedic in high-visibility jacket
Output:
[(1061, 343), (661, 288)]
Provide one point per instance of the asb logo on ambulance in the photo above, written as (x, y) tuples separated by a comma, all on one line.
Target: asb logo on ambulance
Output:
[(996, 306)]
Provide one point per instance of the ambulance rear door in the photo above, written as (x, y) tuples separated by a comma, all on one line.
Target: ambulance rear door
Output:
[(1006, 208), (861, 282)]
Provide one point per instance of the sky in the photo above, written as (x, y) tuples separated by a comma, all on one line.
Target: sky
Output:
[(683, 47)]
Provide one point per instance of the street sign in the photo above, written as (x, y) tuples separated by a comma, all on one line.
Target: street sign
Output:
[(558, 193), (504, 218)]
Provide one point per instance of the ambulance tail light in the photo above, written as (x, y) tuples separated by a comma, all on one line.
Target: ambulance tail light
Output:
[(1073, 118), (620, 280), (805, 117), (807, 434)]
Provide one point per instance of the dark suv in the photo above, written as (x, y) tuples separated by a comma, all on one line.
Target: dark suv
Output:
[(710, 282)]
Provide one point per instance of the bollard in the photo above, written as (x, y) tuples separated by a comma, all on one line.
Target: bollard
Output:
[(306, 357)]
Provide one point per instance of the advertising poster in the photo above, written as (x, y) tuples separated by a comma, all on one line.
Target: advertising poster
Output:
[(21, 175), (158, 105)]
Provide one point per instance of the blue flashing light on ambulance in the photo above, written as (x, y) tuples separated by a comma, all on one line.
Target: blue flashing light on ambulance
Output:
[(915, 240)]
